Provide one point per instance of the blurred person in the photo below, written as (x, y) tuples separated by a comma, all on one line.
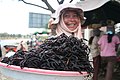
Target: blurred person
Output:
[(22, 46), (95, 52), (0, 52), (107, 44), (117, 31), (118, 50), (110, 25)]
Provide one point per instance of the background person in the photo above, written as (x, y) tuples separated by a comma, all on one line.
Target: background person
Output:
[(95, 52), (22, 46), (117, 31), (0, 52), (108, 55)]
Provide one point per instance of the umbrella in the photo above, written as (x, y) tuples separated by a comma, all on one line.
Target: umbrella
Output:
[(43, 32), (35, 33), (109, 11)]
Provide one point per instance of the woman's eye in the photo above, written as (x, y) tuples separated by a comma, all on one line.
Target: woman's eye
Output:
[(70, 16), (75, 16), (66, 16)]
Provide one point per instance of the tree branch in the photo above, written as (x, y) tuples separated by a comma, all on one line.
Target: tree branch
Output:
[(70, 1), (45, 1), (49, 6), (60, 2)]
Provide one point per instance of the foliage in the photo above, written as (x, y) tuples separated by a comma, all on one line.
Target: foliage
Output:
[(11, 36)]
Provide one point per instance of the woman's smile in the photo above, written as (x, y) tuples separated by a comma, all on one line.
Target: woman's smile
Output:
[(71, 20)]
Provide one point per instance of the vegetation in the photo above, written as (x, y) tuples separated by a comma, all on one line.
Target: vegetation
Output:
[(12, 36)]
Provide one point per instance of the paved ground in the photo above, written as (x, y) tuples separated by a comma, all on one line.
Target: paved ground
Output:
[(115, 77), (2, 77)]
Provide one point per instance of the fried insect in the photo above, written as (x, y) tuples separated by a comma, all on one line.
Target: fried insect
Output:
[(61, 53)]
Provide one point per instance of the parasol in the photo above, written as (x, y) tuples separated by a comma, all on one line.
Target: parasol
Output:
[(43, 32), (109, 11)]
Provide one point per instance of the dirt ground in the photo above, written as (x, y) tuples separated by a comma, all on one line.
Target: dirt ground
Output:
[(115, 77), (2, 77)]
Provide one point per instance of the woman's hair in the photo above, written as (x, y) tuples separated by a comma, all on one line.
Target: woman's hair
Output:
[(110, 22), (109, 38), (70, 9), (90, 40), (96, 32)]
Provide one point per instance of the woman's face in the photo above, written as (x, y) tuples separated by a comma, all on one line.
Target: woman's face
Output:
[(71, 20)]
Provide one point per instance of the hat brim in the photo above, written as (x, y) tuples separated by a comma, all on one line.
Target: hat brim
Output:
[(63, 7)]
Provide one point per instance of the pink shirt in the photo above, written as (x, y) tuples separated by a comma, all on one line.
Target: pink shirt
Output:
[(108, 49)]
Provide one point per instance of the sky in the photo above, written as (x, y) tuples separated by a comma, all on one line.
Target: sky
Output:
[(14, 15)]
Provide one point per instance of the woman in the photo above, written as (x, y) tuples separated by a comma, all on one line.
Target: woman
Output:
[(68, 19), (95, 52), (107, 45)]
